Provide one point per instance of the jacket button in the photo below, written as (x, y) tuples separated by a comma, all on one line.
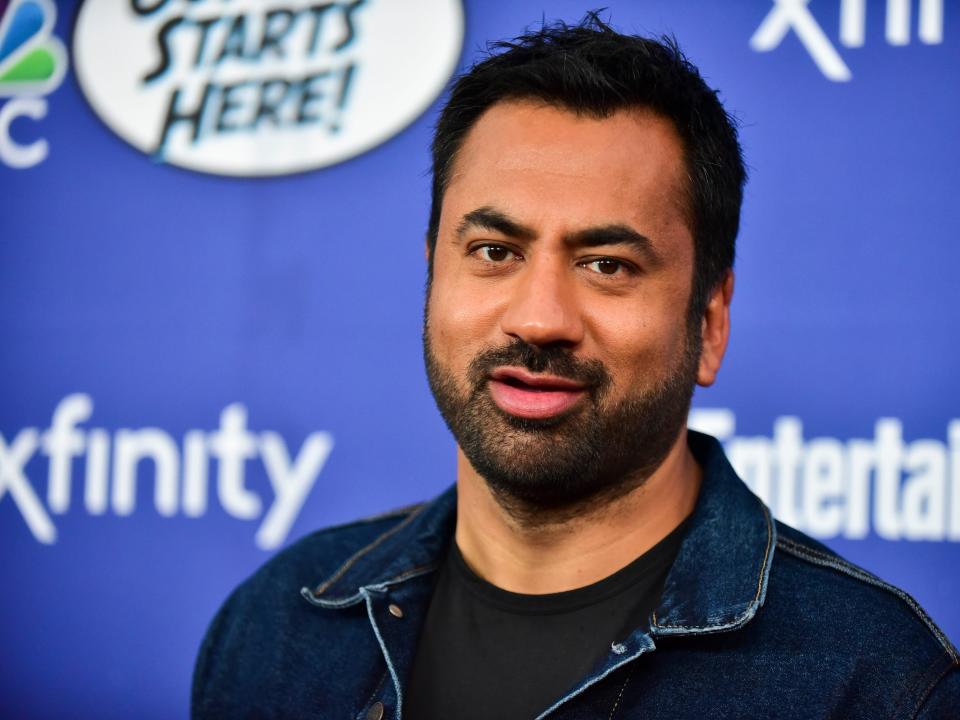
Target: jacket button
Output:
[(375, 712), (395, 610)]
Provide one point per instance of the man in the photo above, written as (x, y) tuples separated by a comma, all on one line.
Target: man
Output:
[(595, 559)]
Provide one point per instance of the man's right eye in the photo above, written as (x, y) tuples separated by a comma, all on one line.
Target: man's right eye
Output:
[(494, 253)]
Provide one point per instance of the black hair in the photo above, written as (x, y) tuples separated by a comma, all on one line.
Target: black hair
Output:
[(590, 69)]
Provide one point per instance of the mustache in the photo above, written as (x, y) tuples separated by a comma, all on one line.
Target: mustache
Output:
[(553, 359)]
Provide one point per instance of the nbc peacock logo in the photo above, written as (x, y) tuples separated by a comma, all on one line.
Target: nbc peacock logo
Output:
[(32, 64)]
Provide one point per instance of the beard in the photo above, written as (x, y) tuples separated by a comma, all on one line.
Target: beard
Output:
[(559, 467)]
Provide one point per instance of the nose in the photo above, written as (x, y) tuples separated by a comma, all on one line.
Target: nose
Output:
[(542, 307)]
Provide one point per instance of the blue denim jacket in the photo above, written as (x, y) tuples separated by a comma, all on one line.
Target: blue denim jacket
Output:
[(756, 621)]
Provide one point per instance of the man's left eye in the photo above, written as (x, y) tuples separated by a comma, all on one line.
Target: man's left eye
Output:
[(605, 266)]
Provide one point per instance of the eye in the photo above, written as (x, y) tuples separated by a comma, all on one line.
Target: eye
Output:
[(494, 253), (606, 266)]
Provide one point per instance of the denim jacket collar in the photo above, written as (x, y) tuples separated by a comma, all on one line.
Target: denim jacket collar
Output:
[(413, 547), (717, 582), (719, 578)]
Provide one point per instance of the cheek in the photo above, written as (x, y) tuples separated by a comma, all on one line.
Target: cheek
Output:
[(635, 355), (641, 343), (462, 322)]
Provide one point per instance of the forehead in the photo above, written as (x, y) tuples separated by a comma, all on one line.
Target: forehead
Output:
[(539, 161)]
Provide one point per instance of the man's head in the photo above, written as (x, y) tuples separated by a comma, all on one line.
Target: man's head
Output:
[(591, 70), (586, 200)]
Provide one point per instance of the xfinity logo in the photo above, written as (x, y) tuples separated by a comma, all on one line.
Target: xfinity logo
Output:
[(181, 476), (794, 15)]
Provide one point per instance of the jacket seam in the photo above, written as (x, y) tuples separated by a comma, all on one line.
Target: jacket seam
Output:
[(623, 688), (386, 515), (834, 562), (357, 597), (929, 689), (593, 681), (746, 615), (366, 706), (907, 698), (405, 575), (384, 651), (324, 586), (369, 519)]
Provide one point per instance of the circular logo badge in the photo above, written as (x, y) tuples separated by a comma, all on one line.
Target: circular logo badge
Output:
[(263, 87)]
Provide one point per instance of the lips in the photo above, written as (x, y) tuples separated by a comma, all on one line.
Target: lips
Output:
[(531, 395)]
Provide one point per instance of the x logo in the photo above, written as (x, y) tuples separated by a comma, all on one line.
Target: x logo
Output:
[(13, 459), (787, 14)]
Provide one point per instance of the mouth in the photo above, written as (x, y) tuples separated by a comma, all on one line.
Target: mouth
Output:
[(521, 393)]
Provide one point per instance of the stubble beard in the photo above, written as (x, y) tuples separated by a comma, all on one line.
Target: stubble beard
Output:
[(551, 470)]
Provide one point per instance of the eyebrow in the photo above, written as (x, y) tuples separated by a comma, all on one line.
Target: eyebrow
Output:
[(488, 218), (615, 235)]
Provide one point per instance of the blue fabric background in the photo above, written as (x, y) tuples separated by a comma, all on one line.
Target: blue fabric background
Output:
[(166, 295)]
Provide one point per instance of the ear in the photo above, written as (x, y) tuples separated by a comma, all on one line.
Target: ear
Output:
[(715, 331)]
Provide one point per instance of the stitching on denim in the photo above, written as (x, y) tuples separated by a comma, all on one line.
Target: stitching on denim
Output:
[(593, 682), (383, 649), (929, 689), (823, 559), (369, 519), (308, 594), (367, 704), (406, 575), (324, 586), (751, 609), (395, 512), (623, 687), (910, 691)]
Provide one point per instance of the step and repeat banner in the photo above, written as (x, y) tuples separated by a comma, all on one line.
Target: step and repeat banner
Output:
[(211, 290)]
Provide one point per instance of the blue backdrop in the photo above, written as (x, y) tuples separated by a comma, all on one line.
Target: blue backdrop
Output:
[(211, 348)]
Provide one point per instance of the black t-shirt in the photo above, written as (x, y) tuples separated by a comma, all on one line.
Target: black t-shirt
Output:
[(488, 653)]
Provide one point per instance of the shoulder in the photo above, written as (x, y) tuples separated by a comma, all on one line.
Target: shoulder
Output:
[(310, 561), (317, 556), (848, 589), (834, 574), (257, 647), (865, 626)]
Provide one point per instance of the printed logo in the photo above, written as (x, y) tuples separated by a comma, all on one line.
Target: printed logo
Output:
[(263, 87), (32, 63), (111, 464), (832, 487), (795, 15)]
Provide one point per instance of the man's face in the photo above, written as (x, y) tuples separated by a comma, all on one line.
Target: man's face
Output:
[(556, 339)]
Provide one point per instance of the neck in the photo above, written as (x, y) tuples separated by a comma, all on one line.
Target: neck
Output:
[(578, 549)]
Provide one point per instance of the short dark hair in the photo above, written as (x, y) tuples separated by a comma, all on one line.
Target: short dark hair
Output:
[(590, 69)]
